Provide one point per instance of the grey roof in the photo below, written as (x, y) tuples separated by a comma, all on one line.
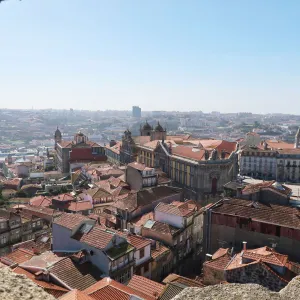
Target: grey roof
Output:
[(172, 290)]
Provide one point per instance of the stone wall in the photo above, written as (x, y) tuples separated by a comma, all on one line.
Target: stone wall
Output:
[(256, 273), (212, 276), (241, 291)]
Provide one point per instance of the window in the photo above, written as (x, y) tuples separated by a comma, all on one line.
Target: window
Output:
[(142, 253), (146, 268), (181, 238), (2, 225), (3, 239), (38, 223), (33, 225)]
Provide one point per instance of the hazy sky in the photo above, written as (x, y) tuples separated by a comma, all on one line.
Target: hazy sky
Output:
[(225, 55)]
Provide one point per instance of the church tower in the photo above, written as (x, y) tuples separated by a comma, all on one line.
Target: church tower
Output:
[(297, 139), (158, 133), (57, 137), (146, 129)]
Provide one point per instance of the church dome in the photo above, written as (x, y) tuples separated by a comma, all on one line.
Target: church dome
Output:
[(159, 128), (147, 126)]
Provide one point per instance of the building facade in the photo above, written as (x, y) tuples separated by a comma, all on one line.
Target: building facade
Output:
[(74, 154), (136, 112)]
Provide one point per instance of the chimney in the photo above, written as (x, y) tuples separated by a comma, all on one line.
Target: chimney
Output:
[(244, 246), (208, 257), (157, 245), (239, 192)]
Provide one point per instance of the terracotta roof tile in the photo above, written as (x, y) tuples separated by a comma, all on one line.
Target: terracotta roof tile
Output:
[(63, 197), (80, 206), (163, 228), (145, 285), (280, 188), (75, 276), (76, 295), (267, 255), (220, 252), (187, 282), (66, 144), (108, 289), (137, 241), (171, 291), (18, 256), (159, 251), (40, 201), (220, 262), (70, 221), (97, 237), (140, 221), (39, 245), (275, 144), (41, 211), (145, 197), (272, 214), (177, 208)]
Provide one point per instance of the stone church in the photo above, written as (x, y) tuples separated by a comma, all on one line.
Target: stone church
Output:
[(200, 167)]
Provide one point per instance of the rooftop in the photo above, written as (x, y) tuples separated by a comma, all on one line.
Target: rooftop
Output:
[(267, 213), (18, 256), (145, 285), (119, 250), (109, 289), (70, 221)]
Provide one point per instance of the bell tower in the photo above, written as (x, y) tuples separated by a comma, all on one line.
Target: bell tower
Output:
[(297, 139), (57, 137)]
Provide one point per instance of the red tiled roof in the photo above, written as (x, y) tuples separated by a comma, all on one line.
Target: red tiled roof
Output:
[(177, 208), (49, 287), (18, 256), (144, 197), (164, 228), (267, 255), (80, 206), (159, 251), (66, 144), (109, 289), (70, 220), (75, 276), (97, 237), (187, 282), (220, 252), (40, 201), (63, 197), (271, 214), (220, 262), (275, 144), (138, 242), (40, 211), (40, 244), (198, 153), (76, 295), (140, 221), (145, 285), (137, 166), (115, 148), (110, 293), (188, 152), (252, 188)]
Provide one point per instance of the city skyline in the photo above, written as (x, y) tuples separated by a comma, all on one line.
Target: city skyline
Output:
[(174, 56)]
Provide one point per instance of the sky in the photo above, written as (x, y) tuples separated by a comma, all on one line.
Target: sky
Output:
[(216, 55)]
